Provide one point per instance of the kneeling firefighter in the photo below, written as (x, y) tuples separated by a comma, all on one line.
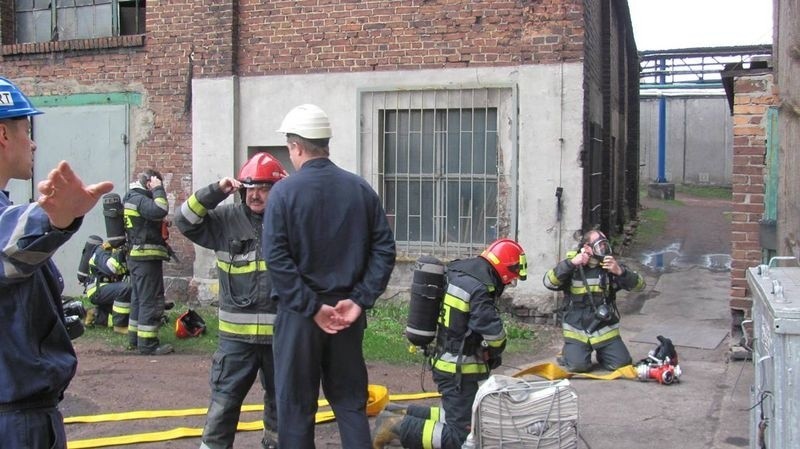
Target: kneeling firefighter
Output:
[(109, 290), (246, 310), (590, 278), (469, 342)]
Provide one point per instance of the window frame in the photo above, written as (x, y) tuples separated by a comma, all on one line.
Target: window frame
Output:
[(375, 102), (55, 9)]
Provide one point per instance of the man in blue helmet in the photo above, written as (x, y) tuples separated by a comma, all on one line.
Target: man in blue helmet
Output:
[(37, 360)]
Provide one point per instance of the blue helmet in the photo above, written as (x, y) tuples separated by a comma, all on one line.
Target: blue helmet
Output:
[(13, 103)]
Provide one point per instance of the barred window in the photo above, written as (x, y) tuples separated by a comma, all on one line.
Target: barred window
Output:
[(440, 171), (59, 20)]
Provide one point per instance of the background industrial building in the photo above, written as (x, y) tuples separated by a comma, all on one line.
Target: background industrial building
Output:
[(472, 119)]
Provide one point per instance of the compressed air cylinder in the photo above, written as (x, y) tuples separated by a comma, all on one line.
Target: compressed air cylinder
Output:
[(86, 255), (427, 291), (113, 214)]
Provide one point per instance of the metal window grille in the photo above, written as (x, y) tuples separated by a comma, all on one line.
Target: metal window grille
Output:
[(54, 20), (440, 170)]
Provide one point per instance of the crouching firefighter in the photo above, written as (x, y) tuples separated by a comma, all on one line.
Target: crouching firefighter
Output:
[(246, 310), (590, 277), (469, 342), (108, 288)]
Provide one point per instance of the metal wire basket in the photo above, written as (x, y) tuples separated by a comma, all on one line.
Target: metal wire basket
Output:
[(512, 413)]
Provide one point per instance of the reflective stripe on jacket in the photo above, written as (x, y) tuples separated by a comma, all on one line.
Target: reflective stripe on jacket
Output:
[(579, 313), (246, 311), (144, 213), (470, 327)]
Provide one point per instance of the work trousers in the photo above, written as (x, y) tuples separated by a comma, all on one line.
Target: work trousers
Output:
[(39, 428), (304, 355), (147, 303), (611, 354), (233, 371), (452, 427), (112, 299)]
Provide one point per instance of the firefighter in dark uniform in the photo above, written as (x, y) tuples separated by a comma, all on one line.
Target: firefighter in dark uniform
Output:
[(37, 360), (246, 310), (330, 252), (108, 289), (469, 342), (590, 278), (145, 210)]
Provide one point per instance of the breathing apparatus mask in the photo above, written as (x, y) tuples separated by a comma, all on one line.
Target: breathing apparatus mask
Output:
[(600, 249)]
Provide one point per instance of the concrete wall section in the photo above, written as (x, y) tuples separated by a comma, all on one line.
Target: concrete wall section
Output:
[(699, 149), (214, 156), (549, 140)]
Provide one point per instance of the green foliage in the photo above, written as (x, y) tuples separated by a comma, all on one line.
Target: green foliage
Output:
[(385, 338), (204, 344), (717, 192), (652, 223)]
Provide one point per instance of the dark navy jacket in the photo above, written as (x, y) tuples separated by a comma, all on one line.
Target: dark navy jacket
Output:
[(37, 360), (326, 238)]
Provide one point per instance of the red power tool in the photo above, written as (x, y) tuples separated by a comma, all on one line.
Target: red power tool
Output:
[(661, 364)]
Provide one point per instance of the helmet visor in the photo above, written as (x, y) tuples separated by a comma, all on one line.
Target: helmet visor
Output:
[(601, 248), (520, 268)]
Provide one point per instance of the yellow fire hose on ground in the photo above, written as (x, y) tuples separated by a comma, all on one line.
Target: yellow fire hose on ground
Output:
[(378, 398)]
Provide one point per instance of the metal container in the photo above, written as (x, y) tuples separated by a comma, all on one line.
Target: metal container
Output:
[(776, 356)]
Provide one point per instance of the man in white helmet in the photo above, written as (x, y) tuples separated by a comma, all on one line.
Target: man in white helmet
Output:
[(330, 253), (37, 360)]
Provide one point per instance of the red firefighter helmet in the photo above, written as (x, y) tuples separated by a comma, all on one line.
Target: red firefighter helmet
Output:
[(189, 324), (262, 168), (508, 259)]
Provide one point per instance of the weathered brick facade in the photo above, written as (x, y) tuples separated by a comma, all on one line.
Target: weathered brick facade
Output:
[(753, 95), (213, 39)]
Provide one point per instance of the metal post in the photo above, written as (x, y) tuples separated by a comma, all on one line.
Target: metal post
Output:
[(662, 126)]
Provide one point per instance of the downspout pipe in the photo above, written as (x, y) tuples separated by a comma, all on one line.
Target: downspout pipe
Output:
[(662, 127)]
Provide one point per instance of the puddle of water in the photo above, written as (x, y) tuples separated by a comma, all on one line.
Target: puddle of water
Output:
[(671, 258)]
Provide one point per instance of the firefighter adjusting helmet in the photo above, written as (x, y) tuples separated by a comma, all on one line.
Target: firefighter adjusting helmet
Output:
[(307, 121), (262, 168), (13, 103), (189, 324), (508, 260)]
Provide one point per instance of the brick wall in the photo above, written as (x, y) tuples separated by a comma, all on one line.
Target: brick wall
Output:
[(156, 64), (281, 37), (753, 95)]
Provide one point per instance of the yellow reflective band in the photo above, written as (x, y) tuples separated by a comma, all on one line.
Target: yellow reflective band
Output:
[(593, 340), (160, 201), (605, 337), (436, 413), (131, 212), (466, 368), (581, 290), (251, 267), (120, 309), (457, 303), (551, 276), (146, 334), (523, 266), (495, 343), (427, 433), (491, 257), (245, 329), (196, 207), (149, 252)]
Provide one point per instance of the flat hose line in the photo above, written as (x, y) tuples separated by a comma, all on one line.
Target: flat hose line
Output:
[(378, 398)]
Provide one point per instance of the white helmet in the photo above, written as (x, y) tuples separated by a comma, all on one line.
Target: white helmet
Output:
[(308, 121)]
